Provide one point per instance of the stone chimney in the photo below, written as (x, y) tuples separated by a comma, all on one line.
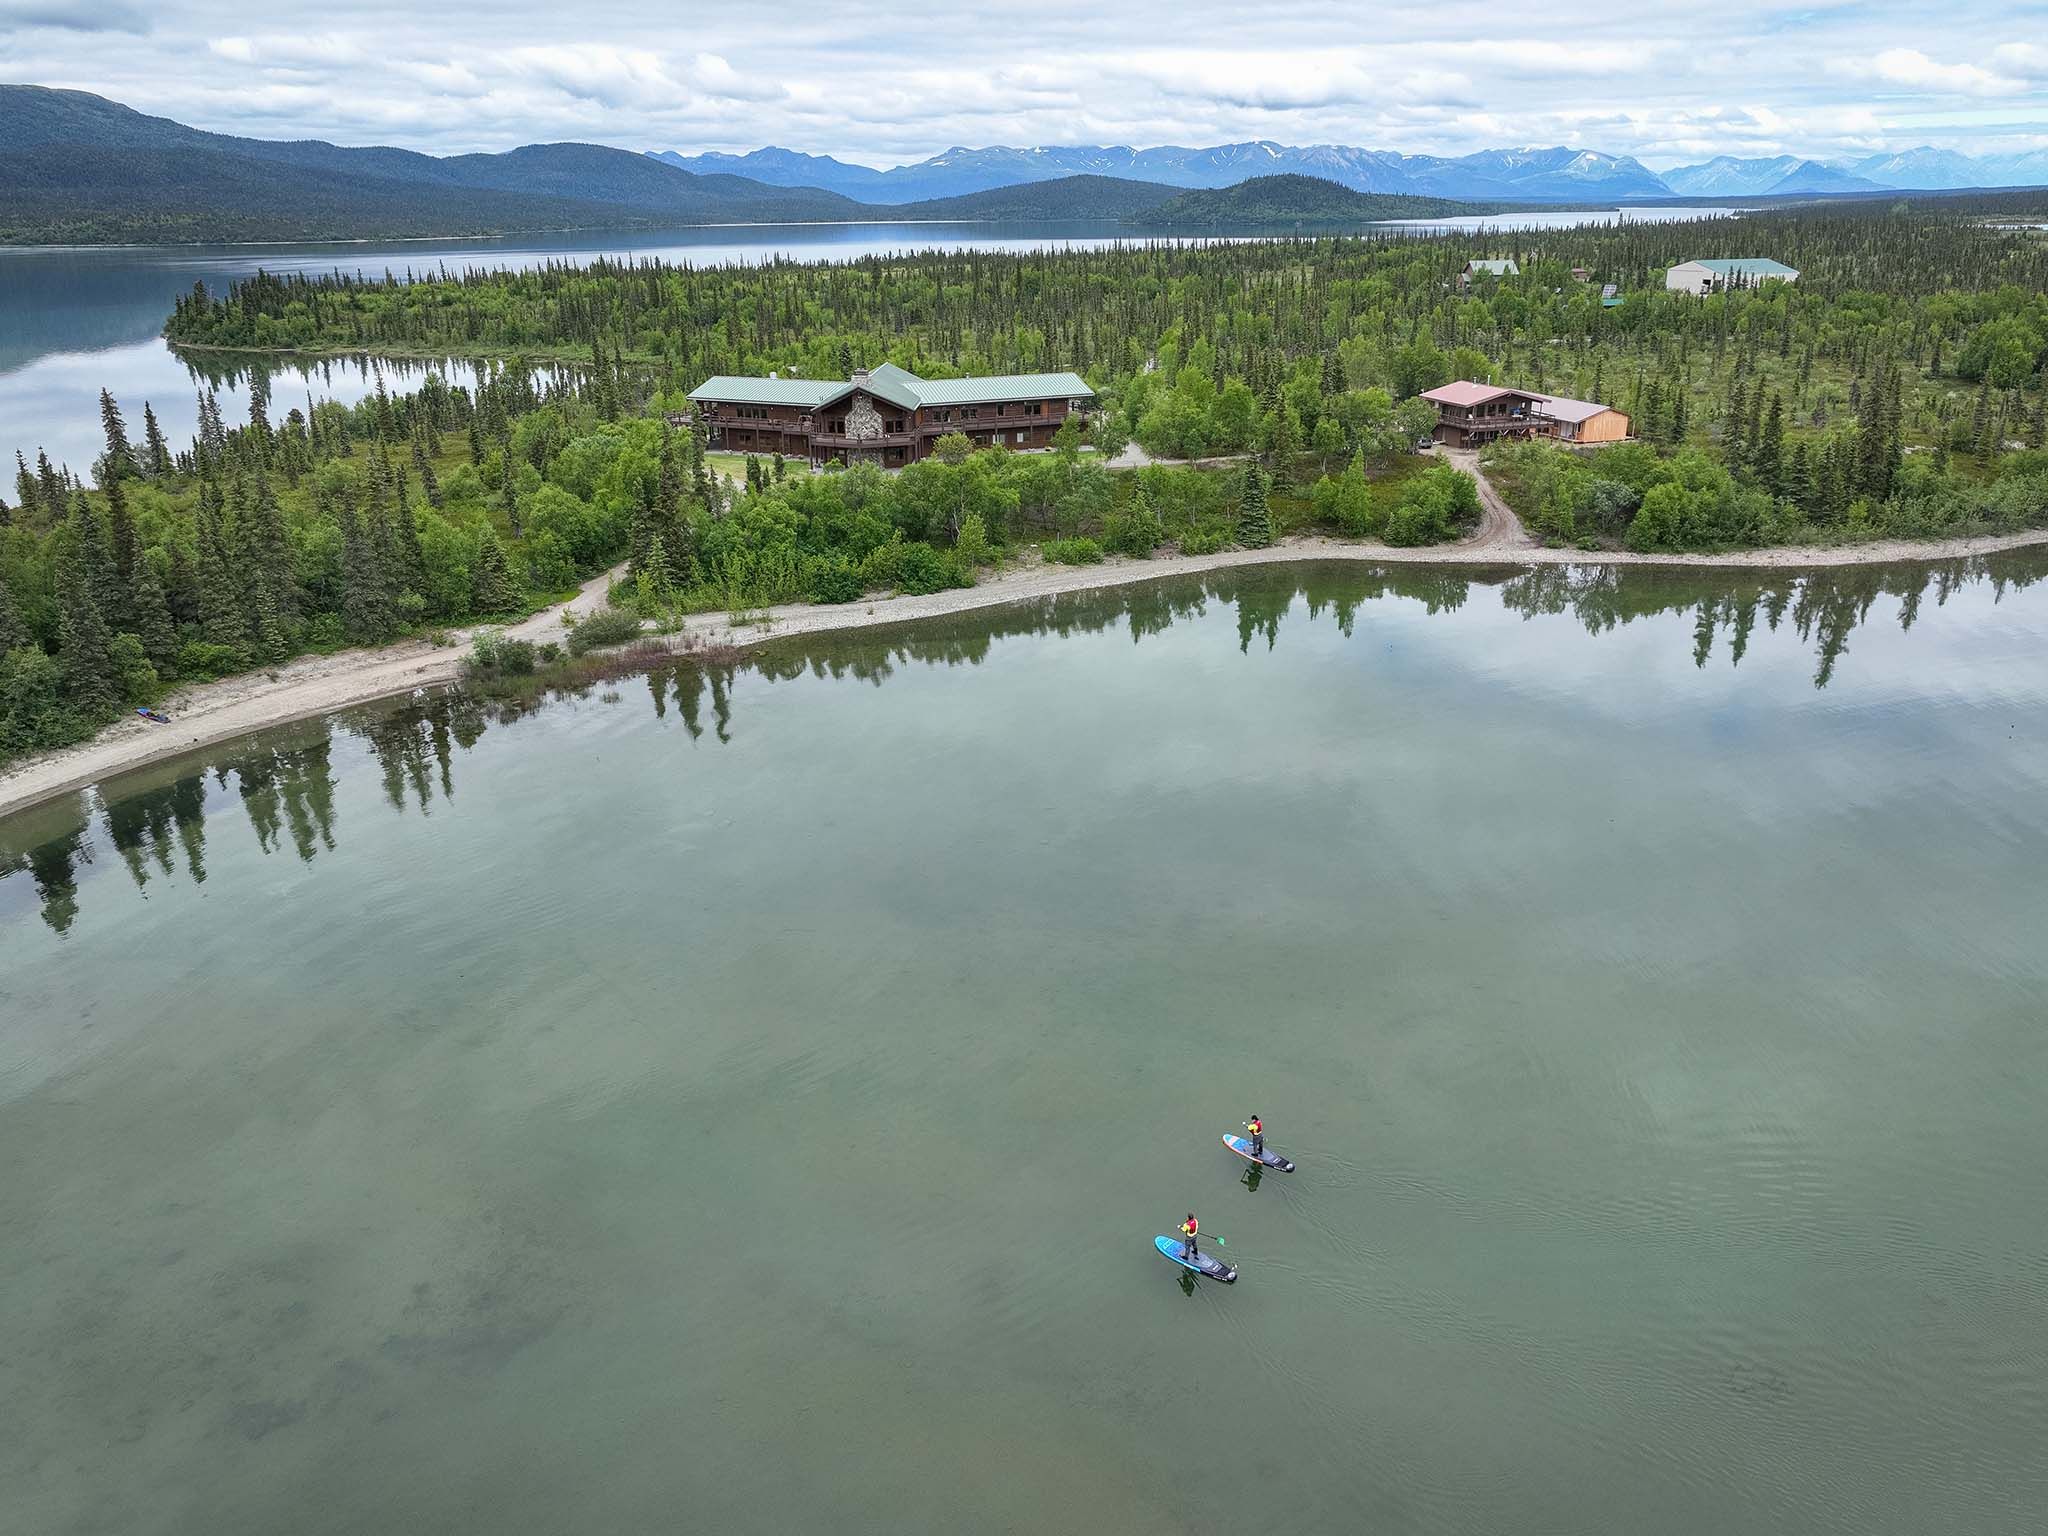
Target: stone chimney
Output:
[(860, 375)]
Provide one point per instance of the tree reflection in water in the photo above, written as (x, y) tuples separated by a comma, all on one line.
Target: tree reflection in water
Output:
[(286, 789)]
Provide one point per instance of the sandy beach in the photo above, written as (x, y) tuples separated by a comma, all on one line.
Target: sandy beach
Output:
[(207, 714)]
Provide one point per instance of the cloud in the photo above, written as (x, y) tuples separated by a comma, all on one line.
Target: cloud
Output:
[(1746, 77), (1911, 67), (71, 16)]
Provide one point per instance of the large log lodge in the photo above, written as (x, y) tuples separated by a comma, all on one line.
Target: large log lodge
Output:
[(887, 415)]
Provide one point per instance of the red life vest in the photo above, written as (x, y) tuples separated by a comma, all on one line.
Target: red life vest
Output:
[(1191, 1226)]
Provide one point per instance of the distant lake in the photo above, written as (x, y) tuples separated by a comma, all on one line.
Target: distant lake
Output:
[(76, 320)]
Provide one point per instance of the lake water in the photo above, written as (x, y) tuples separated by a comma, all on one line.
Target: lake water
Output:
[(744, 1098), (76, 321)]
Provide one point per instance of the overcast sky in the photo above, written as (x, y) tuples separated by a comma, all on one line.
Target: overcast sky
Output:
[(883, 84)]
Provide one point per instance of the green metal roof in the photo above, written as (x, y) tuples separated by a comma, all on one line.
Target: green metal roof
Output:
[(744, 391), (898, 386), (1747, 266), (1012, 386)]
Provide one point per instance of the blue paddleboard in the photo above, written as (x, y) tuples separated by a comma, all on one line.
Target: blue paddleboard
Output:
[(1201, 1263), (1242, 1146)]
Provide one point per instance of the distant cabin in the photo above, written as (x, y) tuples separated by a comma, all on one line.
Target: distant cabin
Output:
[(1582, 274), (1610, 295), (1470, 415), (1719, 272), (1501, 267)]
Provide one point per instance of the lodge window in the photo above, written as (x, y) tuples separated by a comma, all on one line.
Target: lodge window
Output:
[(752, 412), (972, 413), (1002, 410), (1033, 407), (894, 424), (942, 415)]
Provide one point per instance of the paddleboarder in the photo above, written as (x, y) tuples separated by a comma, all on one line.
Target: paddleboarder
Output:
[(1258, 1129), (1189, 1230)]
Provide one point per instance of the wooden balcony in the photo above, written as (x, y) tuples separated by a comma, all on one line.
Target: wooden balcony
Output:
[(841, 440)]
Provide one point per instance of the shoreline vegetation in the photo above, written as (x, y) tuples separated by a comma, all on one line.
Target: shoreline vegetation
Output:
[(206, 715)]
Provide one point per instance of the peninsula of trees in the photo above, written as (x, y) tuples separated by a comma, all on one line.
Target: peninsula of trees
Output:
[(1896, 390)]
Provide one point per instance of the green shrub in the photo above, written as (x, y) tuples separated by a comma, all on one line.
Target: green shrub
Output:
[(1073, 551), (494, 655), (204, 660), (973, 544), (604, 626), (835, 579), (921, 569), (1135, 532), (1204, 540)]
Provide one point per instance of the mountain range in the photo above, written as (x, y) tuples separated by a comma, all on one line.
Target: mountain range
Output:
[(1559, 174), (1502, 175), (75, 167)]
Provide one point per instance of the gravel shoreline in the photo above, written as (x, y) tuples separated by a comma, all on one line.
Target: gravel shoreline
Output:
[(207, 714)]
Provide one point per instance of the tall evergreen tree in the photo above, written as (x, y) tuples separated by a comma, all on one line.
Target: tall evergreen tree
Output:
[(1769, 461), (125, 551), (120, 460), (1254, 520), (82, 628), (26, 491), (493, 591), (366, 616), (222, 620), (156, 453), (150, 613), (51, 489)]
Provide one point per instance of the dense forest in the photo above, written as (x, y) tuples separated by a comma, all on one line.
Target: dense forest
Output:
[(1921, 323)]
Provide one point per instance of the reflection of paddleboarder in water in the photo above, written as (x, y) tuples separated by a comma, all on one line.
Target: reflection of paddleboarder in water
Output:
[(1189, 1229), (1258, 1129)]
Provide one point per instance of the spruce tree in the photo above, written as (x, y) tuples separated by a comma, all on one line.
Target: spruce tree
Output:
[(269, 560), (1254, 521), (366, 616), (492, 591), (50, 488), (423, 461), (120, 460), (82, 628), (150, 612), (156, 453), (26, 490), (221, 618), (125, 552), (1769, 461)]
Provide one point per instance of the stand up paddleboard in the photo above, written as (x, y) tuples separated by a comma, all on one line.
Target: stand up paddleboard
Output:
[(1201, 1263), (1242, 1146)]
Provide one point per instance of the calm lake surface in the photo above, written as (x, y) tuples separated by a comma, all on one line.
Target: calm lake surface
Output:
[(744, 1098), (76, 321)]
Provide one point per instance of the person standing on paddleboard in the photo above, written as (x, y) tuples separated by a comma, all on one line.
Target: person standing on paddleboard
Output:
[(1188, 1231), (1258, 1129)]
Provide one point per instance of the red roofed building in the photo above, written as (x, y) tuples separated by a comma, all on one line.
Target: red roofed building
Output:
[(1472, 415)]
